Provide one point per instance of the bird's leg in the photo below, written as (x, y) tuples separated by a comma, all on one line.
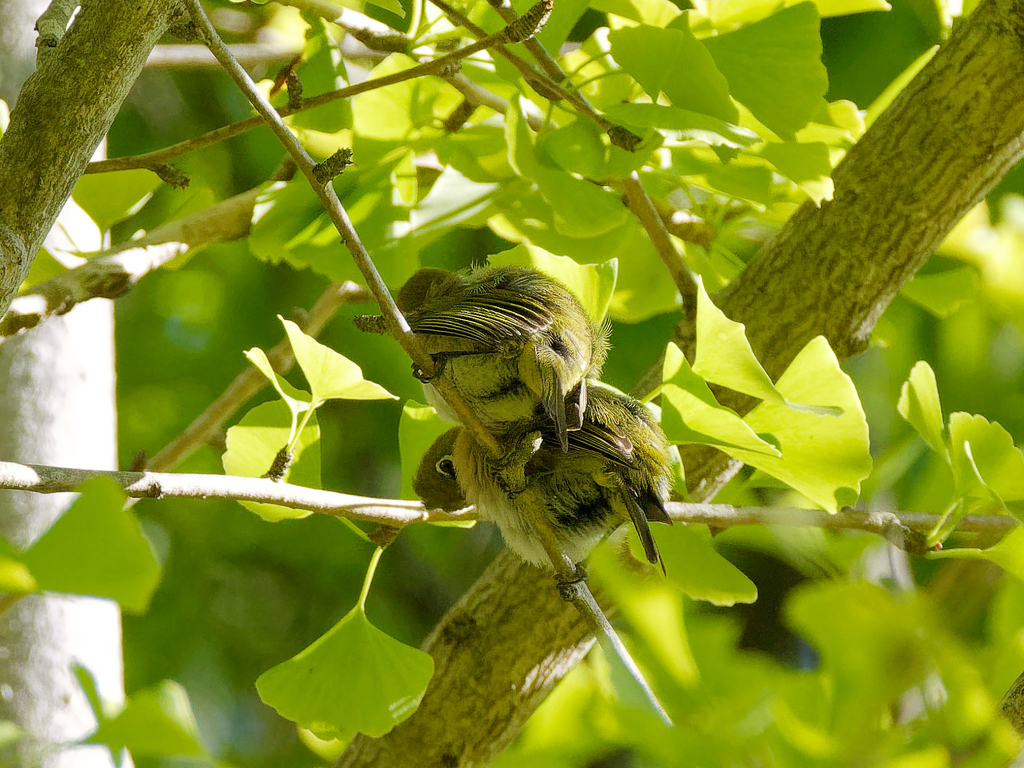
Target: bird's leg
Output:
[(510, 469)]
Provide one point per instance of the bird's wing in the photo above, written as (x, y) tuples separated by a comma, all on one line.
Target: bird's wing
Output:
[(488, 319)]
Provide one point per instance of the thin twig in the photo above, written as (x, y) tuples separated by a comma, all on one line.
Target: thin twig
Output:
[(640, 204), (250, 380), (155, 485), (396, 324), (160, 157), (396, 512)]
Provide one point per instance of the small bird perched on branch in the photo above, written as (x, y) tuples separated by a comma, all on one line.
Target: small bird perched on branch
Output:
[(617, 469), (507, 339)]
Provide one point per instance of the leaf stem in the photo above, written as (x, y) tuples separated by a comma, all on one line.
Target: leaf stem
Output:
[(368, 580)]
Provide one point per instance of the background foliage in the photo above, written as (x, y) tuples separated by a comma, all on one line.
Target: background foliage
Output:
[(851, 654)]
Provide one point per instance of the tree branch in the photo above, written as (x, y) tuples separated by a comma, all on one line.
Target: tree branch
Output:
[(61, 115), (398, 513)]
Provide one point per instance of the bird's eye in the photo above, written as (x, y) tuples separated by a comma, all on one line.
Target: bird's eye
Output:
[(446, 467)]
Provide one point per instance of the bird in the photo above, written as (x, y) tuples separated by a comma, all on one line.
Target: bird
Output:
[(506, 338), (617, 469)]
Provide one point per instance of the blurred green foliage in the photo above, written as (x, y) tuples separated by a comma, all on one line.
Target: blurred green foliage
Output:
[(841, 660)]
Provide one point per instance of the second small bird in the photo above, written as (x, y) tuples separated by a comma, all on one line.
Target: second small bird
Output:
[(616, 470)]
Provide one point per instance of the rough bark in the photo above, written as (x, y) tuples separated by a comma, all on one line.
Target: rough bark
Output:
[(62, 114), (945, 142)]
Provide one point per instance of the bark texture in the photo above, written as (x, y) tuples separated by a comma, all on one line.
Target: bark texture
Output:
[(934, 154), (62, 114)]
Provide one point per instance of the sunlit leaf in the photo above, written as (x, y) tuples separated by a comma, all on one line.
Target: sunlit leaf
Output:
[(696, 567), (1008, 553), (919, 404), (690, 413), (683, 125), (331, 375), (724, 357), (110, 197), (297, 400), (673, 62), (354, 678), (987, 466), (805, 164), (774, 68), (823, 457)]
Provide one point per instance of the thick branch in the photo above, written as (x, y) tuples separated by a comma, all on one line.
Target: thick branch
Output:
[(932, 156), (61, 115)]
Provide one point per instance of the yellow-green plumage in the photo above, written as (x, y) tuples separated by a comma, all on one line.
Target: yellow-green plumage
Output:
[(616, 469), (507, 339)]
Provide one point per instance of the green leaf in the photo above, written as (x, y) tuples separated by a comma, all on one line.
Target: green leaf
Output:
[(577, 148), (417, 431), (696, 567), (656, 13), (869, 641), (96, 548), (730, 14), (724, 357), (774, 68), (354, 678), (401, 111), (519, 138), (690, 413), (745, 182), (824, 458), (156, 722), (987, 467), (592, 284), (297, 401), (674, 62), (478, 152), (330, 375), (110, 197), (254, 442), (943, 293), (683, 124), (454, 200), (919, 404), (1008, 553), (563, 18), (806, 165), (389, 5)]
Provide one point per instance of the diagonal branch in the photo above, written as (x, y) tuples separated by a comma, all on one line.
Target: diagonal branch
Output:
[(397, 513)]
